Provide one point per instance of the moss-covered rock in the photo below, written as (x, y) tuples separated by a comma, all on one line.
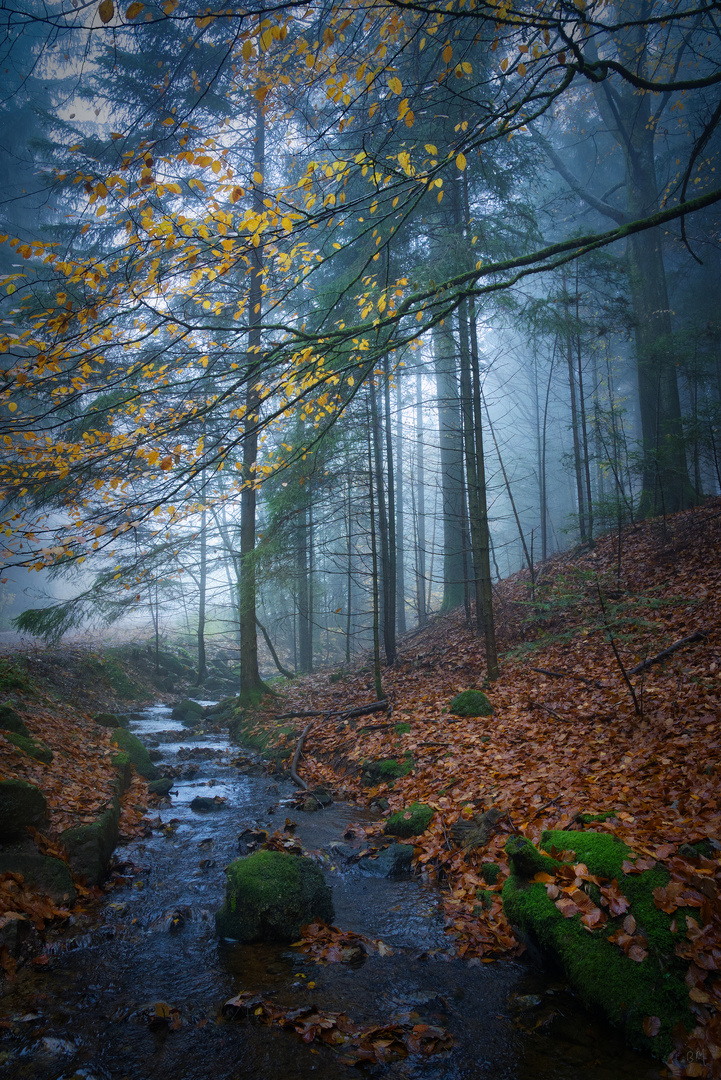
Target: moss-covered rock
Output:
[(43, 873), (137, 753), (121, 761), (189, 712), (91, 846), (386, 770), (21, 804), (270, 895), (175, 664), (160, 787), (30, 746), (625, 990), (111, 720), (412, 821), (490, 872), (471, 703), (12, 721)]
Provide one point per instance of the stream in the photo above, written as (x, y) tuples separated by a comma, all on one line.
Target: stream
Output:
[(135, 987)]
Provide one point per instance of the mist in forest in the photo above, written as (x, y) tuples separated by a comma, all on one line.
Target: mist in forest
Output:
[(318, 323)]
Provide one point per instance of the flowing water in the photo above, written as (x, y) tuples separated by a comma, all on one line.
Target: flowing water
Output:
[(135, 988)]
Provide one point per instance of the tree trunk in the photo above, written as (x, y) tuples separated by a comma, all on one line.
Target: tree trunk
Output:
[(202, 664), (400, 515), (451, 445), (251, 684), (420, 497)]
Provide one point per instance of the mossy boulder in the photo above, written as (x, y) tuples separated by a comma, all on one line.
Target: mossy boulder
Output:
[(490, 872), (270, 895), (90, 846), (174, 664), (412, 821), (43, 873), (31, 747), (625, 990), (471, 703), (386, 770), (137, 753), (21, 804), (111, 720), (160, 787), (189, 712), (12, 721)]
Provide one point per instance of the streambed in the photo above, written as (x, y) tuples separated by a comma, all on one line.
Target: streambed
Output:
[(135, 988)]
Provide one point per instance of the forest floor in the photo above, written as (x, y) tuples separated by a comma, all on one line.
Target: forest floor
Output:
[(575, 730)]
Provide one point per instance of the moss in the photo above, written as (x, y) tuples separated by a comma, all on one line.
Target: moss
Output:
[(412, 821), (402, 728), (12, 721), (590, 819), (111, 720), (270, 895), (526, 861), (386, 770), (12, 677), (91, 846), (490, 872), (485, 898), (21, 804), (271, 742), (121, 761), (471, 703), (29, 746), (625, 990), (137, 753), (115, 676), (189, 712)]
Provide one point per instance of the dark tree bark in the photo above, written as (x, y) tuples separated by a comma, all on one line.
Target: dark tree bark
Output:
[(451, 445)]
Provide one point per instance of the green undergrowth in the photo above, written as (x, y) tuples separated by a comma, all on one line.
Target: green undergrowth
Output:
[(412, 821), (28, 745), (274, 743), (12, 677), (386, 770), (625, 990)]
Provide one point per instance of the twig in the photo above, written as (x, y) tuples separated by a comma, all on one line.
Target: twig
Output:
[(330, 714), (296, 757), (548, 709), (698, 636), (569, 675), (612, 641)]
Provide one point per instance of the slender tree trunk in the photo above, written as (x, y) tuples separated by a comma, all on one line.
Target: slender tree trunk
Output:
[(374, 574), (388, 621), (420, 507), (451, 444), (400, 516), (349, 571), (202, 664), (251, 684)]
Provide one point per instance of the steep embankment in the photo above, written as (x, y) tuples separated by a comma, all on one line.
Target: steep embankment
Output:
[(585, 722)]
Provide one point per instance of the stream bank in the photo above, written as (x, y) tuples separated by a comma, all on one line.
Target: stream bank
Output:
[(135, 988)]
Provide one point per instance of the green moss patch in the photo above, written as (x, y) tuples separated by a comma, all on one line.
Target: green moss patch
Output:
[(137, 753), (270, 895), (471, 703), (29, 746), (402, 728), (12, 721), (625, 990), (490, 872), (412, 821), (386, 770)]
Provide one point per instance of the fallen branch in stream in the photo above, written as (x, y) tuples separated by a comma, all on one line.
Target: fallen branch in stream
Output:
[(698, 636)]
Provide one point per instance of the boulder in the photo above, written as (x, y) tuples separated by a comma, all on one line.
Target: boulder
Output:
[(637, 974), (91, 846), (43, 873), (188, 712), (393, 861), (412, 821), (12, 721), (21, 804), (203, 803), (160, 787), (137, 753), (386, 770), (270, 895), (111, 720), (471, 703)]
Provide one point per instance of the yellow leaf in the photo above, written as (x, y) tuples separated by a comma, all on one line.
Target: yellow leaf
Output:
[(504, 64), (461, 162), (395, 85), (170, 7), (447, 53), (431, 149), (106, 11), (12, 406), (521, 69), (257, 178), (134, 10), (247, 50)]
